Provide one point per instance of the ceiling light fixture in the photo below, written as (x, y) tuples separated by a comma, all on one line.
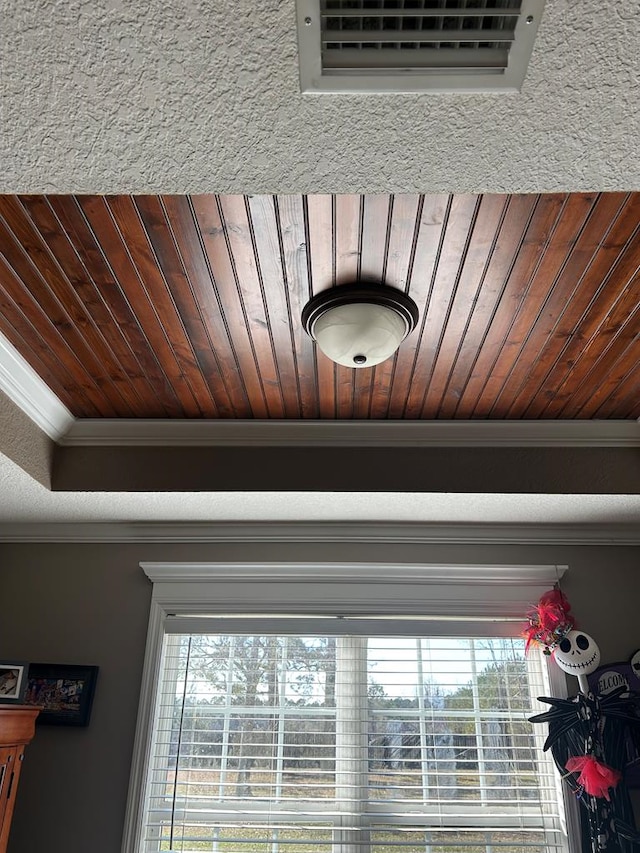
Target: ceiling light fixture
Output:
[(359, 325)]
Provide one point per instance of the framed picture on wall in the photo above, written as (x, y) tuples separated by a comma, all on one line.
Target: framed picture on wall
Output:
[(13, 681), (63, 691)]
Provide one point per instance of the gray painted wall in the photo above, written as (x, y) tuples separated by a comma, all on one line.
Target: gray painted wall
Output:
[(89, 604)]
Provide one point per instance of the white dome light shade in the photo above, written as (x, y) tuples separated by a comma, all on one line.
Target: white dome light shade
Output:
[(359, 325), (359, 334)]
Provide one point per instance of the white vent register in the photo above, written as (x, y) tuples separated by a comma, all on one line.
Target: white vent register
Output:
[(376, 46)]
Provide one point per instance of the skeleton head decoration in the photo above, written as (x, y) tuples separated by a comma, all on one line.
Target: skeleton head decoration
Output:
[(577, 653), (635, 663)]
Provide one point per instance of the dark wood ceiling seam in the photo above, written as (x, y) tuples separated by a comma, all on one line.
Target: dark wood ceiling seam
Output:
[(96, 306), (208, 356), (189, 243), (625, 353), (280, 342), (321, 251), (561, 310), (132, 285), (64, 303), (572, 319), (72, 218), (307, 240), (427, 303), (447, 384), (588, 397), (450, 304), (499, 346), (627, 394), (267, 396), (213, 241), (24, 336), (162, 275), (452, 398), (64, 330), (539, 230), (363, 380), (294, 321), (558, 257), (405, 218), (580, 358), (348, 240)]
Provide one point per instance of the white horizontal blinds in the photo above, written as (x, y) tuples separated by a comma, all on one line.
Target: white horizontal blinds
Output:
[(348, 745), (382, 35)]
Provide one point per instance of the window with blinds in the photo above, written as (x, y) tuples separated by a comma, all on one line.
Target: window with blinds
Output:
[(287, 743)]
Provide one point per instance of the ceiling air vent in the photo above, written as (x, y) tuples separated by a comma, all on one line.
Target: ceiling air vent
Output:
[(367, 46)]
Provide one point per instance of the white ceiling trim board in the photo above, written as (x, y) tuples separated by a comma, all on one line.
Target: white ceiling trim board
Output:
[(23, 386), (364, 533)]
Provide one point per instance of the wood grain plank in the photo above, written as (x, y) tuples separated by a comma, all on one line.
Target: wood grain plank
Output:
[(581, 356), (100, 217), (433, 217), (25, 336), (621, 360), (213, 235), (401, 248), (492, 287), (152, 212), (446, 275), (606, 365), (153, 387), (31, 292), (555, 256), (561, 309), (582, 325), (538, 233), (376, 221), (141, 250), (626, 395), (295, 265), (122, 363), (62, 289), (236, 369), (320, 244), (249, 290), (267, 242), (482, 243)]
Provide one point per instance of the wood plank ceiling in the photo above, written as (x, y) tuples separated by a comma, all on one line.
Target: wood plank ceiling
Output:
[(189, 307)]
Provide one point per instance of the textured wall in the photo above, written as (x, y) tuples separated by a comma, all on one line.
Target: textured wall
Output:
[(24, 443), (149, 95), (89, 604)]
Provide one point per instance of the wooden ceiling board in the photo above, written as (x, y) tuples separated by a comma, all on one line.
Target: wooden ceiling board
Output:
[(189, 307)]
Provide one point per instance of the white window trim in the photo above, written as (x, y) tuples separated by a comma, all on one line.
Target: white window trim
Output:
[(480, 598)]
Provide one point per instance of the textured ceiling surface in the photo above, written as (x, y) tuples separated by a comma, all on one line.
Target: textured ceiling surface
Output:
[(113, 96)]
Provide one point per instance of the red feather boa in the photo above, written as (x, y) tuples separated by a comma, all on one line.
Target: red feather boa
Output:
[(595, 778)]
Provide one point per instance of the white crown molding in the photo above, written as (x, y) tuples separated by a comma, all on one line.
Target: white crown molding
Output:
[(310, 433), (319, 532), (23, 386)]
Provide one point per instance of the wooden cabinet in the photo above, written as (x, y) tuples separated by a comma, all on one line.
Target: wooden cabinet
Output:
[(17, 727)]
